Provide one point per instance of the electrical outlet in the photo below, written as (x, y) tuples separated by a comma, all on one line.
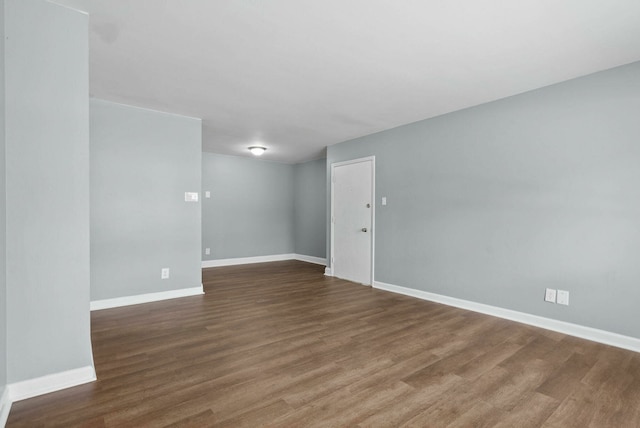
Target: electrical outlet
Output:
[(164, 273), (207, 251), (563, 297), (550, 295)]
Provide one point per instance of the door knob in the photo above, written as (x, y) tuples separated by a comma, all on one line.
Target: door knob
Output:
[(364, 229)]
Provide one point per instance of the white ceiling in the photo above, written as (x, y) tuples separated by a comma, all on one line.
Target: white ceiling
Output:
[(299, 75)]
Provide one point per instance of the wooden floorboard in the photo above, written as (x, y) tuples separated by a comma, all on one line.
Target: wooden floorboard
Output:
[(281, 345)]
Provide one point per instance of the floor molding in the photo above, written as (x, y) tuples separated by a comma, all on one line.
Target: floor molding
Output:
[(5, 406), (97, 305), (50, 383), (262, 259), (589, 333), (310, 259), (246, 260)]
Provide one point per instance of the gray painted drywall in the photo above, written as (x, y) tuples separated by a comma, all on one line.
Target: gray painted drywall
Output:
[(142, 163), (3, 235), (309, 216), (494, 203), (47, 185), (250, 212)]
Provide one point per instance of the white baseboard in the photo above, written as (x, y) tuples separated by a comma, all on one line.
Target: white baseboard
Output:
[(328, 271), (262, 259), (97, 305), (5, 406), (310, 259), (246, 260), (589, 333), (50, 383)]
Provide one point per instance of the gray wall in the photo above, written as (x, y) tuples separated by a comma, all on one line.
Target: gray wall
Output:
[(494, 203), (309, 216), (142, 163), (47, 185), (250, 212), (3, 235)]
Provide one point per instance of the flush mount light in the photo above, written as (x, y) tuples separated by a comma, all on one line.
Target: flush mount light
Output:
[(257, 150)]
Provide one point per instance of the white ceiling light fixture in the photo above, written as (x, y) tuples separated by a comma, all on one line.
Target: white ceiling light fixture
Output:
[(257, 150)]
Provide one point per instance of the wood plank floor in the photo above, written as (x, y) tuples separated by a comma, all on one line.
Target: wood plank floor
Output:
[(279, 344)]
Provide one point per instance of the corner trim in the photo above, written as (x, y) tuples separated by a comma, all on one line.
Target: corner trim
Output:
[(589, 333), (328, 271), (50, 383), (101, 100), (97, 305), (5, 406), (262, 259)]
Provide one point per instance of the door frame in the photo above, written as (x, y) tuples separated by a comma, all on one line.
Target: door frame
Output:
[(371, 159)]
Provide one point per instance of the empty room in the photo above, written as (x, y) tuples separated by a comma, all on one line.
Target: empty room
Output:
[(320, 214)]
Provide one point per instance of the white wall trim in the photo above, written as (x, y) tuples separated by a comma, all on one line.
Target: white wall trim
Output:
[(328, 271), (589, 333), (97, 305), (263, 259), (246, 260), (5, 406), (50, 383), (311, 259)]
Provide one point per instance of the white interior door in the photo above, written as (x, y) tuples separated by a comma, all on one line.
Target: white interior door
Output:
[(352, 203)]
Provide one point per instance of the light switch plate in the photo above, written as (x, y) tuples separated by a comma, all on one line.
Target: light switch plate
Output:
[(191, 196), (207, 194), (384, 200)]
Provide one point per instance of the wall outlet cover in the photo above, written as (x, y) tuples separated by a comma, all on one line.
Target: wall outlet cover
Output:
[(563, 297), (550, 295), (164, 273)]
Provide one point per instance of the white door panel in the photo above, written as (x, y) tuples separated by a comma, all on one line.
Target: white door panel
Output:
[(353, 221)]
